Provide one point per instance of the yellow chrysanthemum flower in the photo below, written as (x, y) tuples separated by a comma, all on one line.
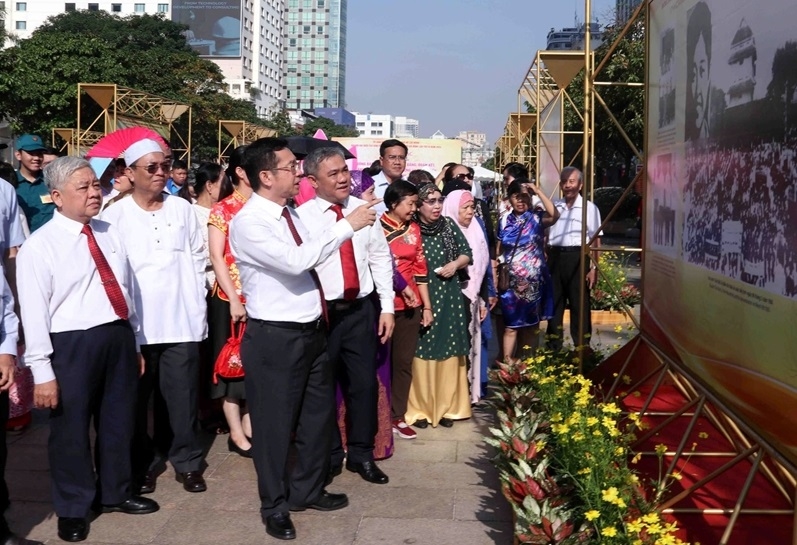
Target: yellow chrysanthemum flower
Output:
[(661, 448), (650, 518), (610, 494), (609, 531), (592, 421), (592, 515), (635, 526)]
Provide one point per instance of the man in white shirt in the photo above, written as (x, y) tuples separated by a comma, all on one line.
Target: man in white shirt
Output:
[(393, 160), (164, 241), (288, 380), (565, 252), (349, 277), (11, 237), (81, 346)]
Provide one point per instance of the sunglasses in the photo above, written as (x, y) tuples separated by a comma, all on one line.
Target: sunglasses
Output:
[(153, 167), (464, 176)]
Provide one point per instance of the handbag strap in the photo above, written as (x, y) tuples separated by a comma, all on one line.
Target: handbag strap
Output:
[(517, 241), (237, 332)]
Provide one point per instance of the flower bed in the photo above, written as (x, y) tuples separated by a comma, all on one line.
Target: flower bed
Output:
[(612, 290), (563, 460)]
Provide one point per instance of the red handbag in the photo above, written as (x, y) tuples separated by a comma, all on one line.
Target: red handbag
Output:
[(228, 365)]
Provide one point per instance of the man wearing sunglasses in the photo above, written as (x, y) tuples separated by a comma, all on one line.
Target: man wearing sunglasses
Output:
[(164, 242)]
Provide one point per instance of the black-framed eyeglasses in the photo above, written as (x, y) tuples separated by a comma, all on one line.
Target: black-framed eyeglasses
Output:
[(152, 168), (464, 176)]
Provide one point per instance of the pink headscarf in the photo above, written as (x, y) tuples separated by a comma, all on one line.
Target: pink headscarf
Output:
[(476, 239)]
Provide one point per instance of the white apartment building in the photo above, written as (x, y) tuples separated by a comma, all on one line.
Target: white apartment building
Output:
[(243, 37), (374, 125), (386, 126), (406, 127)]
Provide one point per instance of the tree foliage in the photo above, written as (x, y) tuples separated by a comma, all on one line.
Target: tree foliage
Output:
[(627, 104), (330, 128), (39, 76)]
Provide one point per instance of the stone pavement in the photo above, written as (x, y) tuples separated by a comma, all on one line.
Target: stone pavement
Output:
[(442, 491)]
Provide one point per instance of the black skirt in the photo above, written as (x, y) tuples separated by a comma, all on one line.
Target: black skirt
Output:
[(218, 333)]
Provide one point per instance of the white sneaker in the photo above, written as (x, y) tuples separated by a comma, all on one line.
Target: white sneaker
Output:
[(403, 430)]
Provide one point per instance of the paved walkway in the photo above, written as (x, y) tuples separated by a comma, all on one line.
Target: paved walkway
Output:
[(442, 491)]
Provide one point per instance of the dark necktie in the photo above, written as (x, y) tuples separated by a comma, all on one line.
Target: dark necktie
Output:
[(314, 275), (107, 277), (351, 278)]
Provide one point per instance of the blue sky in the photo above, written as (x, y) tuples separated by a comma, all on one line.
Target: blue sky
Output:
[(452, 64)]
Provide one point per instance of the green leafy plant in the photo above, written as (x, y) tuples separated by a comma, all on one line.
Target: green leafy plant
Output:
[(612, 290), (562, 459)]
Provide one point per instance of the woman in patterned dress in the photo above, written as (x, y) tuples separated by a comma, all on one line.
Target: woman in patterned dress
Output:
[(521, 235), (439, 391), (413, 307), (227, 304)]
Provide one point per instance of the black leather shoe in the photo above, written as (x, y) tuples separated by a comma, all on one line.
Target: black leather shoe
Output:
[(135, 505), (446, 422), (192, 481), (232, 447), (333, 472), (279, 525), (422, 423), (73, 529), (329, 502), (149, 483), (368, 471)]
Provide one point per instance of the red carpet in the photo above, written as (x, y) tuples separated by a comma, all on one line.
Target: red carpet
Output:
[(706, 450)]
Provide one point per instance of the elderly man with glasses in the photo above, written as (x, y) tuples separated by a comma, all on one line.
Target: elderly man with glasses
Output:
[(166, 250)]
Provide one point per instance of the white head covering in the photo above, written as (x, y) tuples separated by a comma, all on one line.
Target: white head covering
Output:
[(140, 149)]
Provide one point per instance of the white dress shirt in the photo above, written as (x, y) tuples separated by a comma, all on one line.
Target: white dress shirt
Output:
[(60, 289), (11, 233), (275, 271), (168, 259), (567, 229), (9, 329), (380, 186), (371, 253)]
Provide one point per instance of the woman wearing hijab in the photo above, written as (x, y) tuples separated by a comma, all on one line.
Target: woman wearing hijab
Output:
[(439, 389), (413, 306), (460, 207), (521, 235)]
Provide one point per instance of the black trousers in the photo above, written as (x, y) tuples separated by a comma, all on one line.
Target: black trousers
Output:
[(351, 347), (288, 388), (172, 376), (97, 372), (567, 283), (404, 344)]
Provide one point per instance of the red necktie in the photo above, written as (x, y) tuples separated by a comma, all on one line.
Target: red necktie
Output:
[(351, 278), (107, 278), (298, 240)]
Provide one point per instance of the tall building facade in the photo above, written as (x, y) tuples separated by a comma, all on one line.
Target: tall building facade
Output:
[(243, 37), (572, 38), (624, 9), (314, 49), (406, 127)]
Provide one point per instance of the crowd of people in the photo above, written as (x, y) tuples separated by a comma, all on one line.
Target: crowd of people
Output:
[(740, 209), (360, 300)]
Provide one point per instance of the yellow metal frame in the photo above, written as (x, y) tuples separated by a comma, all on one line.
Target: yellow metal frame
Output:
[(746, 443), (120, 102), (234, 133)]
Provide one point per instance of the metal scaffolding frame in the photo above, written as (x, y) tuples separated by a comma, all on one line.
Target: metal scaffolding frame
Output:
[(234, 133), (119, 104)]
